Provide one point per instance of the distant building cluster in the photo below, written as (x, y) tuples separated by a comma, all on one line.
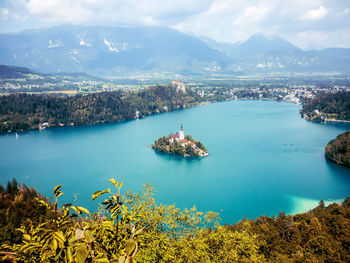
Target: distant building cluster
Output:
[(290, 93), (180, 85)]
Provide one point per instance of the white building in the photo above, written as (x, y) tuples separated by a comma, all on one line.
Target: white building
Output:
[(182, 133), (179, 85), (179, 136)]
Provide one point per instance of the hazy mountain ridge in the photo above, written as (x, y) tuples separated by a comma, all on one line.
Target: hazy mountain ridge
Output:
[(271, 53), (10, 72), (107, 49), (13, 72), (112, 51)]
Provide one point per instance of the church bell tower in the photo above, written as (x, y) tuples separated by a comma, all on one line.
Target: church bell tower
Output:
[(181, 133)]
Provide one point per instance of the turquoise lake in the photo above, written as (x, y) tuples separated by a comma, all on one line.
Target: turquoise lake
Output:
[(264, 158)]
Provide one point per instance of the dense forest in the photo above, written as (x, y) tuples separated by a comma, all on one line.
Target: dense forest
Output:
[(329, 106), (338, 150), (20, 112), (162, 144), (135, 228), (17, 204)]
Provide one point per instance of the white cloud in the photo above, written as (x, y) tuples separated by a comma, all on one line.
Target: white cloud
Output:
[(223, 20), (149, 12), (252, 15), (315, 14), (322, 39), (346, 11), (224, 6), (4, 13), (59, 10)]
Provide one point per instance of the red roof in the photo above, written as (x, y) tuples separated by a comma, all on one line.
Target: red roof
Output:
[(175, 136)]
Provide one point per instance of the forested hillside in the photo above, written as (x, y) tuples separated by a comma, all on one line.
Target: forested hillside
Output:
[(17, 204), (338, 150), (328, 107), (20, 112), (135, 228)]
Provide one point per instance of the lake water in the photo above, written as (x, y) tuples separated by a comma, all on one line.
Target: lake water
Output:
[(263, 159)]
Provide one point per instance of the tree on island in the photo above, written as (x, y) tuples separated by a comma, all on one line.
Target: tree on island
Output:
[(201, 146)]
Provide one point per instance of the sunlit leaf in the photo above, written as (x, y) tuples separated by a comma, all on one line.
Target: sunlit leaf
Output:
[(98, 193), (70, 255), (21, 229), (57, 189), (26, 237), (76, 209), (130, 260), (114, 182), (79, 209), (79, 233), (102, 260), (83, 210), (138, 231), (130, 246), (81, 253), (55, 245), (59, 236), (89, 237)]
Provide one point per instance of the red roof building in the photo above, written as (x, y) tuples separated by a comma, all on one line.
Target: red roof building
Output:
[(175, 136)]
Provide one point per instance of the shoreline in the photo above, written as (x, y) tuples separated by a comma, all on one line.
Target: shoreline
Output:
[(180, 155), (303, 204), (341, 121), (203, 103)]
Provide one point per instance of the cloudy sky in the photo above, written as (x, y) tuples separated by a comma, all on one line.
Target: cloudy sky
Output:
[(306, 23)]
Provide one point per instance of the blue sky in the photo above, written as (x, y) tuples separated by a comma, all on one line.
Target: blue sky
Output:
[(306, 23)]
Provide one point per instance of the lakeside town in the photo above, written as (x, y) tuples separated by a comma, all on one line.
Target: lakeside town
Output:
[(289, 93), (296, 90)]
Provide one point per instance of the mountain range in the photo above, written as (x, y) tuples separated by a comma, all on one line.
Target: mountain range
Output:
[(121, 51)]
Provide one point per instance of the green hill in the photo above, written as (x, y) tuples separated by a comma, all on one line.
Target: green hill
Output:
[(338, 150), (20, 112), (328, 107)]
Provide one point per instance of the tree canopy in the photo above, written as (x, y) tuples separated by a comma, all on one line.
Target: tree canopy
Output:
[(133, 227), (21, 111)]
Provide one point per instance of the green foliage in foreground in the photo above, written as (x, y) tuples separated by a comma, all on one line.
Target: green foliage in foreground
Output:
[(338, 150), (68, 237), (17, 204), (134, 228)]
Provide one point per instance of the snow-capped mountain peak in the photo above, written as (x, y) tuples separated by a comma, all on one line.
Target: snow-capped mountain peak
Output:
[(110, 45)]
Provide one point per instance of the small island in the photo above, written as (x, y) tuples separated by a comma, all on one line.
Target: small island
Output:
[(180, 144), (338, 150)]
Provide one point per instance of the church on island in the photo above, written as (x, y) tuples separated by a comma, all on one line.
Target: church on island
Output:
[(180, 144), (178, 136)]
